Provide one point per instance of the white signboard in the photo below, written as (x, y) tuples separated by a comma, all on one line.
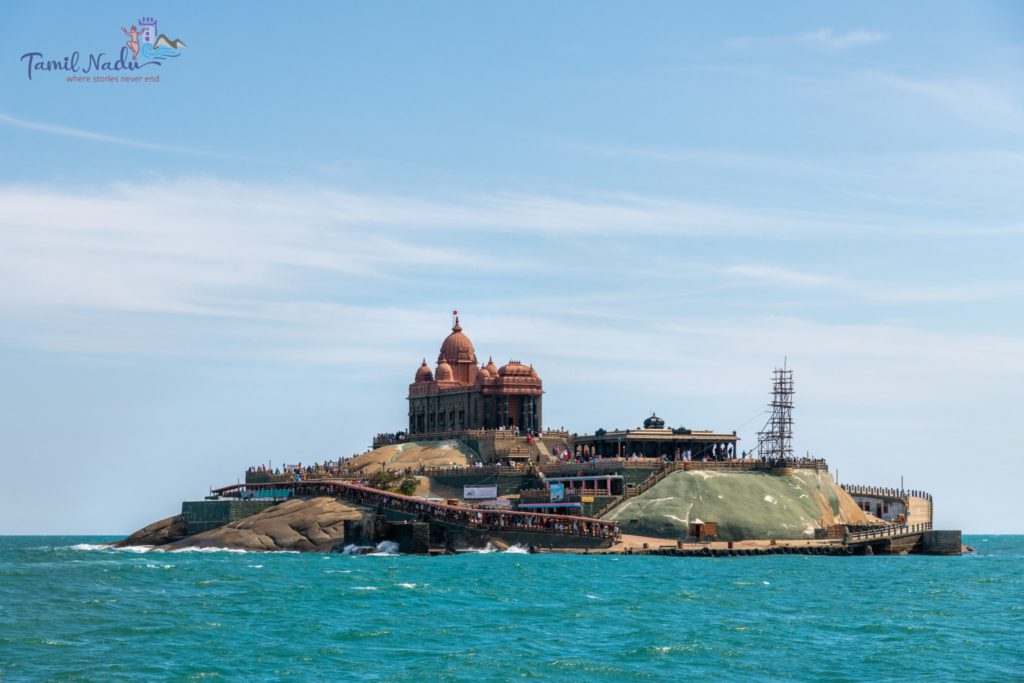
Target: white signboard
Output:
[(479, 492)]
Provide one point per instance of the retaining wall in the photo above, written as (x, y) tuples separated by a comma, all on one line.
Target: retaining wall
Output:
[(203, 515)]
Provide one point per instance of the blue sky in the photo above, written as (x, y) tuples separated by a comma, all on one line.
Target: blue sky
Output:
[(654, 204)]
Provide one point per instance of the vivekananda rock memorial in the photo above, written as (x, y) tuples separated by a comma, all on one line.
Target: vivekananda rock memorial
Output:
[(459, 394), (475, 467)]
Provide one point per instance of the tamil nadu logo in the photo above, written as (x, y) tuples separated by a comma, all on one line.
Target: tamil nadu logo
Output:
[(145, 47)]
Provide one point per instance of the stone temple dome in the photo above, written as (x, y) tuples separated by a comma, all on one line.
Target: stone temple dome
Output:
[(456, 347), (654, 422), (444, 372), (423, 374), (515, 369)]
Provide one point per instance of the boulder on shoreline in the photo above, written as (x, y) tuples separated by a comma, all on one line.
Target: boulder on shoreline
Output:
[(313, 525), (159, 533)]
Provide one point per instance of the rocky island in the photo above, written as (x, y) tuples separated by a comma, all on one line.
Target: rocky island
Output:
[(475, 467)]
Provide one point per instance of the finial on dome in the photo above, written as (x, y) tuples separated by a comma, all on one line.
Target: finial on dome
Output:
[(455, 324)]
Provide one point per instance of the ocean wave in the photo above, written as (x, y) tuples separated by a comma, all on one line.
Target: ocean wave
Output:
[(489, 548), (109, 548), (515, 549), (382, 549)]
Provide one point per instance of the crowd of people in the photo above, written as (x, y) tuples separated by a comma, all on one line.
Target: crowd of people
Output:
[(300, 472), (387, 438)]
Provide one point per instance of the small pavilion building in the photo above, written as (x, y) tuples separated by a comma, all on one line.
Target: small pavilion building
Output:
[(655, 440)]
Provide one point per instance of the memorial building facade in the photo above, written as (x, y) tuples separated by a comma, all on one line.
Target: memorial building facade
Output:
[(460, 394)]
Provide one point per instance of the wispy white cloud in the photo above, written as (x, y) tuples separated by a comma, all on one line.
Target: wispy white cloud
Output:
[(969, 99), (822, 38), (830, 40), (210, 247), (65, 131), (779, 276)]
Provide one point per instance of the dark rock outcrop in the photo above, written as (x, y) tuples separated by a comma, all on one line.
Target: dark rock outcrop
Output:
[(314, 525), (163, 532)]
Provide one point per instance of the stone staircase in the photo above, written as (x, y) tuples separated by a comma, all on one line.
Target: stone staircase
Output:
[(500, 446)]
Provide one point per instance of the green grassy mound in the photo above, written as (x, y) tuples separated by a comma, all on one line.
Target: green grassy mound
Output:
[(744, 505)]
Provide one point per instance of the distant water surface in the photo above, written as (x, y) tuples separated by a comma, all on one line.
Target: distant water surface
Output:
[(71, 611)]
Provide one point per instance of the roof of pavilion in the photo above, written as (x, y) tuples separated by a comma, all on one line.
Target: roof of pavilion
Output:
[(657, 435)]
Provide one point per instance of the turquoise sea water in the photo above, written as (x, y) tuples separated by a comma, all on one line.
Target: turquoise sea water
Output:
[(71, 612)]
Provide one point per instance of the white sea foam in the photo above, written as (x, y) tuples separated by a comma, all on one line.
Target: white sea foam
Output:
[(769, 499), (407, 585), (212, 550), (364, 588), (381, 549), (489, 548), (353, 549), (104, 547), (518, 549), (386, 548)]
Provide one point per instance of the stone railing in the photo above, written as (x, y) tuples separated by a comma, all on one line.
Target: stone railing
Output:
[(445, 434)]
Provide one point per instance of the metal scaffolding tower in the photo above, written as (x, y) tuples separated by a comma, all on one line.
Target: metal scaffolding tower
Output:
[(775, 440)]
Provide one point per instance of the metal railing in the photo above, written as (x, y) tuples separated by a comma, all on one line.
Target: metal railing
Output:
[(883, 492), (887, 531)]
